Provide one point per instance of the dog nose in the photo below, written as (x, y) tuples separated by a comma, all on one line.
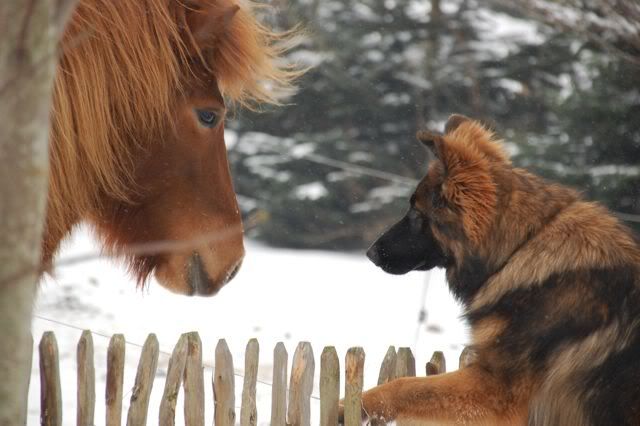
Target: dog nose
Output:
[(374, 255)]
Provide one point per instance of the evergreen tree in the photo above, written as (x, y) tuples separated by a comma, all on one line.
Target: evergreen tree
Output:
[(385, 68)]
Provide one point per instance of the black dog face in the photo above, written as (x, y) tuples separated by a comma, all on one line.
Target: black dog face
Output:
[(409, 245)]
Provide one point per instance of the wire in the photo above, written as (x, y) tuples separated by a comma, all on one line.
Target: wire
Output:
[(393, 177), (423, 313), (138, 345)]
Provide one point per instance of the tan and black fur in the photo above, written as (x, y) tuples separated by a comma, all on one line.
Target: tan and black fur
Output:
[(550, 285)]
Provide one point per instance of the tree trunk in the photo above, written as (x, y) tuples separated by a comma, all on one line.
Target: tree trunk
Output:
[(30, 32)]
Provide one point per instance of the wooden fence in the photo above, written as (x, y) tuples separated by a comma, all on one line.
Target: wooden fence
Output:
[(185, 370)]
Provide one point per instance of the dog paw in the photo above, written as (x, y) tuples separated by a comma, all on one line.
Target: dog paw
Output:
[(367, 420)]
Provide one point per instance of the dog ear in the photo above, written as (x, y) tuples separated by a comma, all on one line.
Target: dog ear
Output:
[(433, 141), (454, 121)]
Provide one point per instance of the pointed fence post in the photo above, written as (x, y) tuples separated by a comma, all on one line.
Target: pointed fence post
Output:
[(279, 388), (50, 390), (137, 415), (329, 387), (405, 363), (301, 386), (248, 410), (437, 365), (224, 386), (354, 369), (388, 366), (175, 371), (86, 381), (467, 357), (115, 380), (193, 382)]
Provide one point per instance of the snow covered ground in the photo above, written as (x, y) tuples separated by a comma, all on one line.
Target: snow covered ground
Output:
[(279, 295)]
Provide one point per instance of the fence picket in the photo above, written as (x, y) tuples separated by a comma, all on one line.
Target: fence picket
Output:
[(248, 410), (354, 370), (224, 386), (388, 366), (175, 371), (329, 386), (186, 369), (50, 390), (193, 382), (279, 388), (147, 366), (466, 357), (301, 386), (437, 365), (86, 381), (115, 380), (405, 363)]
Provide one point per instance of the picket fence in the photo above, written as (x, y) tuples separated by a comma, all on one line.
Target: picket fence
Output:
[(185, 370)]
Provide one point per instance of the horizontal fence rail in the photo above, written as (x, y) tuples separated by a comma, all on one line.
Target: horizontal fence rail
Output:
[(185, 373)]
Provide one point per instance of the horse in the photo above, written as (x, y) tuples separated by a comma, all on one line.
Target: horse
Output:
[(137, 144)]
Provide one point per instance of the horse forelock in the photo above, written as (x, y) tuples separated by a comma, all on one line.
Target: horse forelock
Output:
[(122, 65), (247, 60)]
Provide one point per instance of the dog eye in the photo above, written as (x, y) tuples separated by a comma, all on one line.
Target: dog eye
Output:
[(207, 117)]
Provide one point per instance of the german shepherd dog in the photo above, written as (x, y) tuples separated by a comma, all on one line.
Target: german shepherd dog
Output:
[(550, 285)]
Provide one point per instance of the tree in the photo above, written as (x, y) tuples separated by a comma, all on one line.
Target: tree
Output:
[(613, 25), (382, 70), (592, 141), (31, 30)]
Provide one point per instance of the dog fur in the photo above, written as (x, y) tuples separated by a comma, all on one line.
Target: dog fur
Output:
[(550, 284)]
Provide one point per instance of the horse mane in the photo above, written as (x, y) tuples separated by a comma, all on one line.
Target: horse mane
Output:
[(122, 64)]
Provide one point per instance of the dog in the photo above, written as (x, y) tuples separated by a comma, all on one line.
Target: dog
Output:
[(549, 282)]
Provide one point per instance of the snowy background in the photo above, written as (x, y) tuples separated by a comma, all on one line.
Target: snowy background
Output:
[(279, 295), (383, 69)]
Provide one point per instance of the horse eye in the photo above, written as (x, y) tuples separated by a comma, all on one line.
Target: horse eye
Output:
[(207, 117)]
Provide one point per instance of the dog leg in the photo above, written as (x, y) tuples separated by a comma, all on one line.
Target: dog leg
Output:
[(470, 396)]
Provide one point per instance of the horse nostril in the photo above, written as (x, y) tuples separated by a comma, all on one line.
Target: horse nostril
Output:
[(198, 278), (234, 272)]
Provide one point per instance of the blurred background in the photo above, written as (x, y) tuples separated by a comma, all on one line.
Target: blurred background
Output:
[(559, 80)]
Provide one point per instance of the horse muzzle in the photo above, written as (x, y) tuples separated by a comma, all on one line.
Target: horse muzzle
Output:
[(201, 283)]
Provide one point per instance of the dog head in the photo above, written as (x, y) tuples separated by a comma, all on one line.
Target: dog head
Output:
[(452, 207)]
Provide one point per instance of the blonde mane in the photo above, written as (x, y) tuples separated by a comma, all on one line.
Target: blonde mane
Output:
[(122, 65)]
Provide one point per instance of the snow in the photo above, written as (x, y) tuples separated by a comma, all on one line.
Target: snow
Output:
[(280, 295), (311, 191), (502, 33)]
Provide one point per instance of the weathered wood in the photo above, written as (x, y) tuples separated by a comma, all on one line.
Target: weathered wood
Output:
[(329, 387), (437, 365), (115, 379), (248, 410), (31, 33), (147, 366), (467, 356), (388, 366), (224, 386), (193, 382), (354, 367), (279, 388), (172, 385), (86, 390), (301, 386), (23, 419), (50, 390), (405, 363)]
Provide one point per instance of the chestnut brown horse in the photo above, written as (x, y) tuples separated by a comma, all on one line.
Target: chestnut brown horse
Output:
[(137, 138)]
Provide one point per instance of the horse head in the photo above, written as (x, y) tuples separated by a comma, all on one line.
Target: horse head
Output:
[(138, 145)]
